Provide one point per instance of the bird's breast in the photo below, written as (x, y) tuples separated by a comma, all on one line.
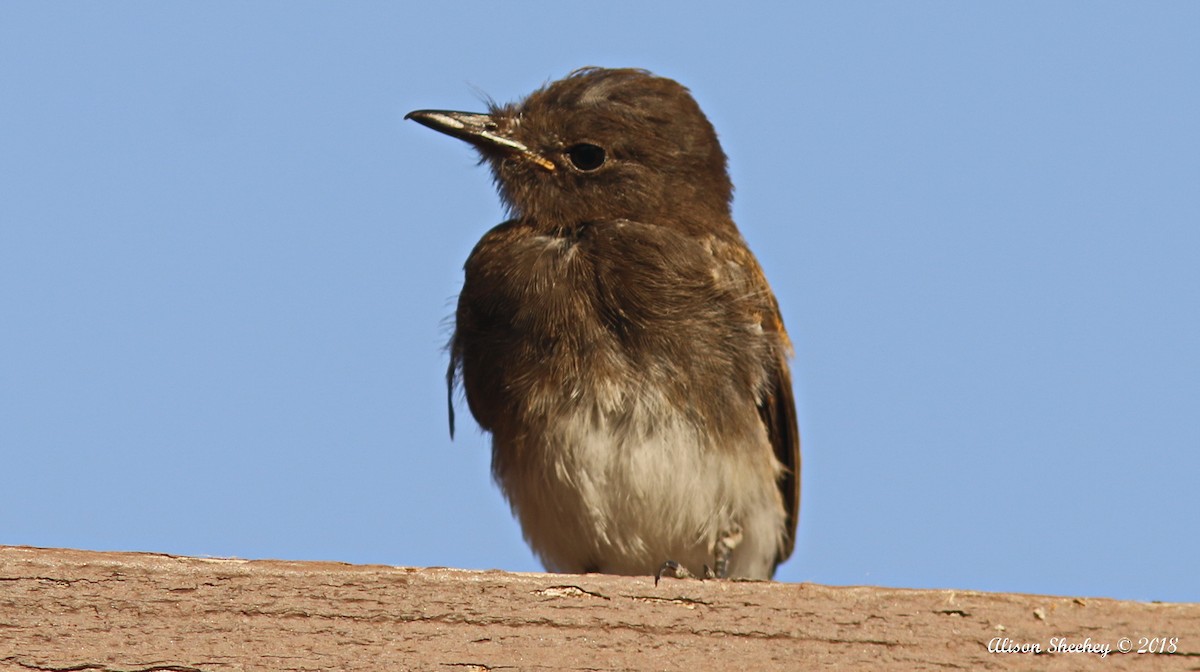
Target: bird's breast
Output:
[(597, 317)]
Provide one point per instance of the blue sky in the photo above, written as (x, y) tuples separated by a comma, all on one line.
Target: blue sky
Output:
[(227, 264)]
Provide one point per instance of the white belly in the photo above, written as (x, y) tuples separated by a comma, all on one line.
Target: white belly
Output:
[(622, 497)]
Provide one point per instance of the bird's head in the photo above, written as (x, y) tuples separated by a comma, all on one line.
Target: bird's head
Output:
[(600, 144)]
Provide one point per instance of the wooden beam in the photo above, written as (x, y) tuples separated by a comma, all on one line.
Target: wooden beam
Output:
[(79, 610)]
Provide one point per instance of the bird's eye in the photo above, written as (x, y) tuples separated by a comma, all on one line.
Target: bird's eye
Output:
[(586, 156)]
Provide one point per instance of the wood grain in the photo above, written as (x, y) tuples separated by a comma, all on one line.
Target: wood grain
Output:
[(80, 610)]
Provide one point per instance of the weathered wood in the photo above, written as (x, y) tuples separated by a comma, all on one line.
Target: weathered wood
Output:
[(79, 610)]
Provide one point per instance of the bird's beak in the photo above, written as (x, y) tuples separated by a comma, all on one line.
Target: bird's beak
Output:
[(480, 130)]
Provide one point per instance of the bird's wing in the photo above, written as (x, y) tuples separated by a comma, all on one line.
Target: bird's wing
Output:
[(777, 406), (778, 412)]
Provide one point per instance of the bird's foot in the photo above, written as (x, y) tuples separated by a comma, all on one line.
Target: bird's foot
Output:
[(728, 541), (722, 551), (677, 571), (674, 570)]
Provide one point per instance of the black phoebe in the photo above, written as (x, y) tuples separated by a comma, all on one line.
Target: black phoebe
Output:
[(618, 338)]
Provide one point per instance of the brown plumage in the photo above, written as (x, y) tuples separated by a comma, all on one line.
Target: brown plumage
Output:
[(619, 340)]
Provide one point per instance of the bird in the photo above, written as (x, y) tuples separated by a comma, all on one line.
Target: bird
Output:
[(618, 340)]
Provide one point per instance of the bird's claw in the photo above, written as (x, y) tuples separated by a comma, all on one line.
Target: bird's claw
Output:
[(675, 570)]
